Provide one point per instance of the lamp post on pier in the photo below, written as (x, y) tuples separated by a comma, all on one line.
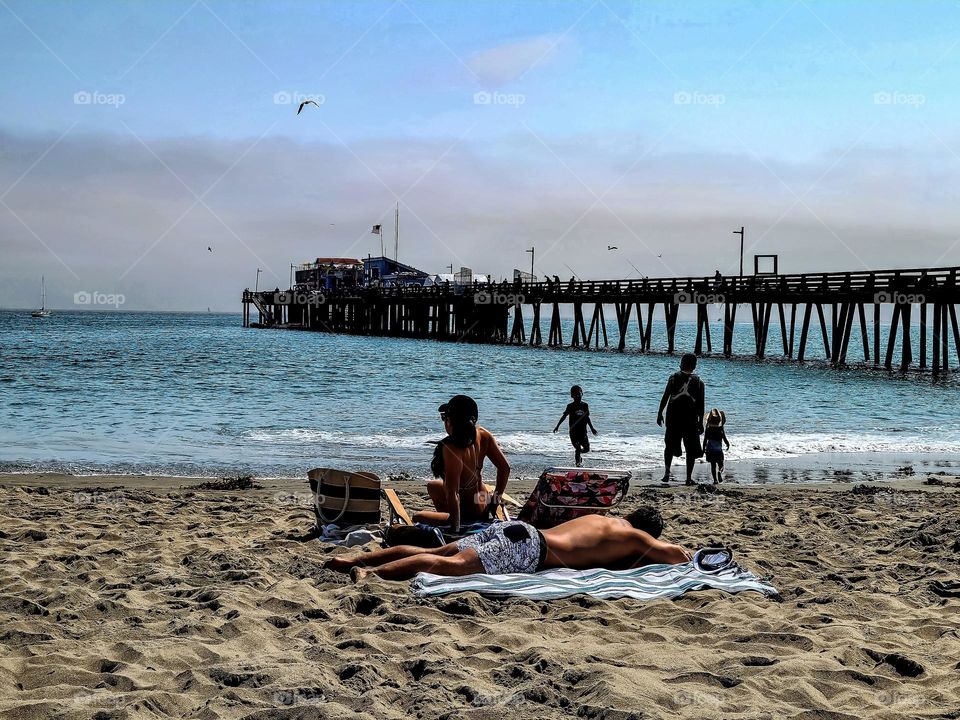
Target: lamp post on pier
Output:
[(740, 233), (533, 254)]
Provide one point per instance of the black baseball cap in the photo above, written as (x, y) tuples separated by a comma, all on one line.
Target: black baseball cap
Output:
[(461, 406)]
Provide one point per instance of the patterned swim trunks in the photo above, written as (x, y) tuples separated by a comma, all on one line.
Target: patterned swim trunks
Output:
[(508, 547)]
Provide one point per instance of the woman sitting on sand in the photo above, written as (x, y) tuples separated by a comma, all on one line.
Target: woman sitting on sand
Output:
[(459, 494)]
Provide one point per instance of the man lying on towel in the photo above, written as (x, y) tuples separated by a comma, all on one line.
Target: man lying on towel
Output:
[(591, 541)]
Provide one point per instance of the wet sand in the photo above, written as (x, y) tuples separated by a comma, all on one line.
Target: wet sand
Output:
[(143, 598)]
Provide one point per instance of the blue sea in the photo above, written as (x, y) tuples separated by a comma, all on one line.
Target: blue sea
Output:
[(199, 395)]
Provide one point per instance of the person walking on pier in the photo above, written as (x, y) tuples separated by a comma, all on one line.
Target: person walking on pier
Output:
[(683, 399), (579, 414)]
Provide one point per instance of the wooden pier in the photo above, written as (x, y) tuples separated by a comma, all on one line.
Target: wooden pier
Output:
[(832, 308)]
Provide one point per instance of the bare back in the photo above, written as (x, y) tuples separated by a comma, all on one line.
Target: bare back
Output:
[(597, 541), (471, 460), (474, 498), (460, 495)]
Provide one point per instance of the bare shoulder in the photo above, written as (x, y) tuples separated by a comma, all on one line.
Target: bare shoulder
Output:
[(622, 531), (484, 437)]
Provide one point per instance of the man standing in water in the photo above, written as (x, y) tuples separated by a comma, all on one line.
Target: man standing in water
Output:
[(683, 400)]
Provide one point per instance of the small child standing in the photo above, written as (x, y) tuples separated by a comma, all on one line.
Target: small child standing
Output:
[(579, 414), (714, 437)]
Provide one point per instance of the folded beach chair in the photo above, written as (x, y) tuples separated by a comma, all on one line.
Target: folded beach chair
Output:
[(400, 516), (401, 530), (563, 494), (398, 513)]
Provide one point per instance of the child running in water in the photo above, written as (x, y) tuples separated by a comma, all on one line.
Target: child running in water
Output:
[(713, 439), (579, 414)]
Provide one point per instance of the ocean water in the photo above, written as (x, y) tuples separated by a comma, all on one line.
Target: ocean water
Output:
[(198, 395)]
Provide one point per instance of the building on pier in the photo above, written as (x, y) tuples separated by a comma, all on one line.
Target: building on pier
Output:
[(329, 273), (387, 272)]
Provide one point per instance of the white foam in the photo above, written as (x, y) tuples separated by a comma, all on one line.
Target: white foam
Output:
[(636, 449)]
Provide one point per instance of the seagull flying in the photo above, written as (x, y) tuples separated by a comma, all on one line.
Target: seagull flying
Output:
[(306, 102), (209, 249), (612, 247), (660, 255)]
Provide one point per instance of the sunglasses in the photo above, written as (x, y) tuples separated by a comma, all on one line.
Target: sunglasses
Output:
[(443, 416)]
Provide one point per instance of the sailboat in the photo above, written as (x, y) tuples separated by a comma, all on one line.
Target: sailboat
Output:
[(42, 312)]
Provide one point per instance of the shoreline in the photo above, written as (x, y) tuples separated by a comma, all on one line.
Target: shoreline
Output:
[(839, 469), (165, 484)]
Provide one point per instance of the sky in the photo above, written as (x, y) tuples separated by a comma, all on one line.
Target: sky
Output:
[(153, 151)]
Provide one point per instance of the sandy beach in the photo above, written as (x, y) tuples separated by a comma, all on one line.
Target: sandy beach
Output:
[(143, 598)]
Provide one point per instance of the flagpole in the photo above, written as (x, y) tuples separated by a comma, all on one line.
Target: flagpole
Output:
[(396, 234)]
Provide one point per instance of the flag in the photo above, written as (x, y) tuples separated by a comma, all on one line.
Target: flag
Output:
[(376, 230)]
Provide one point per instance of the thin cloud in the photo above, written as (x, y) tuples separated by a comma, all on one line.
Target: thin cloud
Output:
[(504, 63)]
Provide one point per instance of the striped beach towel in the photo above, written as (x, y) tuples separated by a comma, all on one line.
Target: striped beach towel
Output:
[(652, 582)]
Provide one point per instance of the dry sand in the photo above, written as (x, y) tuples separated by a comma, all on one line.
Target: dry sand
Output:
[(144, 600)]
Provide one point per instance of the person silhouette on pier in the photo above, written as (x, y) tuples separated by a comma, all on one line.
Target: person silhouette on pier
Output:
[(683, 400)]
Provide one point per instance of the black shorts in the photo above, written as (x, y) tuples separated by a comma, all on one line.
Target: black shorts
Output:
[(580, 442), (683, 437), (714, 456)]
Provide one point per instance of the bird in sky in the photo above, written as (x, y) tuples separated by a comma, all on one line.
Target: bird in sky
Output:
[(660, 255), (306, 102), (209, 249), (612, 247)]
